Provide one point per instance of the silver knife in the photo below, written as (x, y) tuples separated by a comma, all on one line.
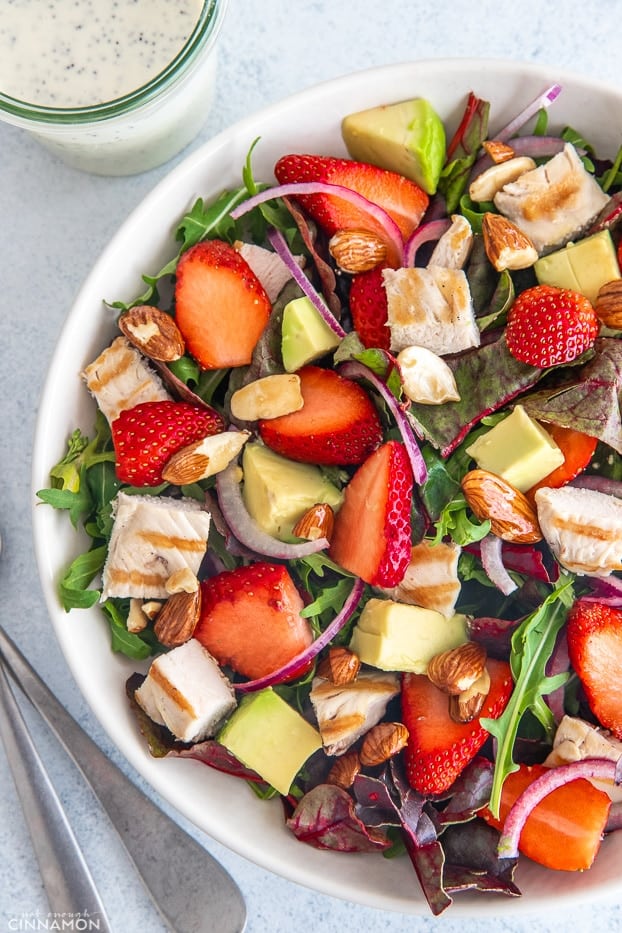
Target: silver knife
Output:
[(190, 889)]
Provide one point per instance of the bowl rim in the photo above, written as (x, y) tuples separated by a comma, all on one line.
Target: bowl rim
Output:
[(46, 524)]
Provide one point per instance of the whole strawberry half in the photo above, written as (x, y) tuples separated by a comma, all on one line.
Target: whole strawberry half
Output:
[(594, 632), (438, 748), (548, 326), (401, 198), (146, 436), (368, 307), (250, 619), (372, 532), (338, 423)]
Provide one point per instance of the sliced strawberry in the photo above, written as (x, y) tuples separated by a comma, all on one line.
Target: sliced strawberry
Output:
[(594, 633), (401, 198), (563, 831), (368, 307), (438, 748), (548, 326), (146, 436), (250, 619), (372, 532), (577, 448), (337, 424), (221, 308)]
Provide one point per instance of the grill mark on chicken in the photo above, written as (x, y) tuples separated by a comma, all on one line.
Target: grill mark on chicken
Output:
[(161, 542), (178, 698), (560, 197)]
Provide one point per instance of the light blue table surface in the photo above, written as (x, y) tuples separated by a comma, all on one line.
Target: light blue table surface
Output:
[(54, 222)]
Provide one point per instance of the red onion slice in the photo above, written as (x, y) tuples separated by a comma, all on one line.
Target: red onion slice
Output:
[(490, 549), (355, 370), (433, 230), (540, 788), (303, 657), (246, 529), (610, 487), (280, 246), (543, 100), (295, 189)]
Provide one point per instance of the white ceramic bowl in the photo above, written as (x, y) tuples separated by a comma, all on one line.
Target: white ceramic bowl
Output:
[(222, 806)]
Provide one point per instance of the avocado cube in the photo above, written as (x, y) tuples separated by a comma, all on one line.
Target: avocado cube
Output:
[(267, 735), (407, 137), (396, 636), (277, 491), (518, 449), (583, 267), (305, 335)]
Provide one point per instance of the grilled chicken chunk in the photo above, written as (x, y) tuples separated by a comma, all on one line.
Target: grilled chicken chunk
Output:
[(121, 378), (576, 739), (345, 712), (186, 691), (554, 202), (582, 527), (430, 308), (431, 579), (454, 246), (153, 537)]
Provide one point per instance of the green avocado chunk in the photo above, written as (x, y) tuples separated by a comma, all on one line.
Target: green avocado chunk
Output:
[(584, 266), (277, 491), (305, 337), (267, 735), (407, 137)]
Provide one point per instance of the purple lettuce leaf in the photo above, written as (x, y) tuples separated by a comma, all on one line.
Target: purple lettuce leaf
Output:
[(470, 792), (212, 753), (472, 863), (326, 819), (487, 377), (591, 403), (494, 634), (522, 558)]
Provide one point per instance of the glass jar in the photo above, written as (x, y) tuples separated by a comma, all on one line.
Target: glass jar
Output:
[(141, 129)]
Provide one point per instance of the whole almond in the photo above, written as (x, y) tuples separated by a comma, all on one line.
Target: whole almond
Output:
[(383, 742), (608, 305), (498, 151), (506, 246), (466, 706), (178, 618), (512, 517), (153, 332), (345, 769), (457, 669), (340, 666), (204, 458), (357, 250), (317, 522)]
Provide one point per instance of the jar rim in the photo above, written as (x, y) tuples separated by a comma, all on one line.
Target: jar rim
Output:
[(204, 33)]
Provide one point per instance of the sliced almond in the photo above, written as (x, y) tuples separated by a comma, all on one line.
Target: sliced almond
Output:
[(493, 179), (317, 522), (204, 458), (357, 250), (383, 742), (498, 151), (457, 669), (269, 397), (511, 514), (506, 246), (153, 332), (178, 618)]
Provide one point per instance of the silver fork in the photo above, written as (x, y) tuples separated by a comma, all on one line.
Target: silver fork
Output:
[(190, 889)]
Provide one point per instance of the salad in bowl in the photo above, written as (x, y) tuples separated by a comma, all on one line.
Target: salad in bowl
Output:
[(342, 490)]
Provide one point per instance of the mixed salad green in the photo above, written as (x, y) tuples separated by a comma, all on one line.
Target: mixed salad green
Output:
[(516, 602)]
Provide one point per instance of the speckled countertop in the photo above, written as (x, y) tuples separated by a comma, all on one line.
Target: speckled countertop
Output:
[(54, 222)]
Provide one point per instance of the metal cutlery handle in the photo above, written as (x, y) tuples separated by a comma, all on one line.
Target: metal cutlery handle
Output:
[(188, 886), (68, 882)]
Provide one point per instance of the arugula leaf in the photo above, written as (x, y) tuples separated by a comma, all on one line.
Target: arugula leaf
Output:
[(73, 587), (122, 641), (532, 645), (613, 176), (456, 522)]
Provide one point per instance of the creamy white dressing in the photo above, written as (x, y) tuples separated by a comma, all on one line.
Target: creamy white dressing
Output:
[(76, 53)]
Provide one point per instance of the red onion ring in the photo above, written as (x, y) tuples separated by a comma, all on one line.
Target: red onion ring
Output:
[(279, 244), (541, 788), (303, 657), (433, 230), (246, 529), (610, 487), (296, 189), (543, 100), (492, 561), (355, 370)]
